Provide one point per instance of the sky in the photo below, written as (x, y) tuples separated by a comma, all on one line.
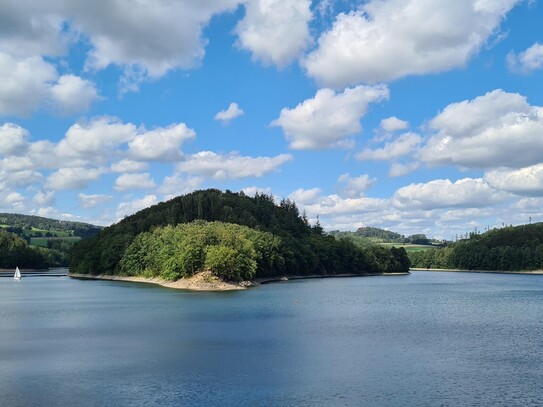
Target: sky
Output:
[(416, 116)]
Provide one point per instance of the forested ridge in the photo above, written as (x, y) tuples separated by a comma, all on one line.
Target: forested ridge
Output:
[(292, 245), (508, 249), (371, 234), (16, 223)]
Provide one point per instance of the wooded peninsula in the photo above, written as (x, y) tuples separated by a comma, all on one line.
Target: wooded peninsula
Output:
[(234, 236)]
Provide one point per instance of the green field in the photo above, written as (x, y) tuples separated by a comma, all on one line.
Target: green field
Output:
[(410, 247), (34, 232), (42, 241)]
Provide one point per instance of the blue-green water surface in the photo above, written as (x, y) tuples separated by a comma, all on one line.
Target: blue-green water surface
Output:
[(428, 339)]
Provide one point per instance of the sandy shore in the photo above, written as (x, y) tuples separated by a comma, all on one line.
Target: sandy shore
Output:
[(535, 272), (206, 281)]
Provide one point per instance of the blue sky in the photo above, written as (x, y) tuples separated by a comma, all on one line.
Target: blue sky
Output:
[(418, 116)]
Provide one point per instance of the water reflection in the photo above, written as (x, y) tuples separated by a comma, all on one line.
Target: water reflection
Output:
[(421, 340)]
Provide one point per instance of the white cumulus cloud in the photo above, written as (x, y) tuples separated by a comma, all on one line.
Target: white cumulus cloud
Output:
[(399, 169), (330, 118), (496, 129), (231, 166), (72, 94), (129, 166), (357, 186), (304, 196), (72, 178), (134, 181), (527, 61), (443, 193), (160, 144), (232, 112), (386, 40), (275, 31), (92, 200), (178, 184), (523, 181), (97, 137), (392, 124), (146, 37), (405, 144), (13, 139), (24, 84), (44, 198), (128, 208)]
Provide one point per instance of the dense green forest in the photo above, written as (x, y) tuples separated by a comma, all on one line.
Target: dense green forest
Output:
[(509, 248), (233, 252), (292, 245), (15, 251)]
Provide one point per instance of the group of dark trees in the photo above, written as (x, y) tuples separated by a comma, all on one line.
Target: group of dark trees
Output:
[(296, 247), (509, 248), (15, 251)]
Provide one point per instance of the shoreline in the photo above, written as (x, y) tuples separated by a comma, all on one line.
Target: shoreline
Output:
[(3, 270), (205, 281), (267, 280), (528, 272)]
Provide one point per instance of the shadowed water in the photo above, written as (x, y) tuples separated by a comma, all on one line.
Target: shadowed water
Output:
[(427, 339)]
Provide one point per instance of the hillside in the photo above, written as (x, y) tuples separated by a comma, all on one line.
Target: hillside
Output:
[(45, 233), (15, 251), (371, 235), (508, 249), (384, 235), (31, 225), (296, 247)]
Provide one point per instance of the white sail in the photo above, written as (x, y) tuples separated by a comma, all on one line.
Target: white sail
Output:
[(17, 275)]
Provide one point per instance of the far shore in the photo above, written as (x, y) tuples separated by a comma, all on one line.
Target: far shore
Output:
[(266, 280), (206, 281), (21, 269), (534, 272)]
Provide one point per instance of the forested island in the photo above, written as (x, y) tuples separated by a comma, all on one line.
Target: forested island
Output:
[(513, 248), (234, 236)]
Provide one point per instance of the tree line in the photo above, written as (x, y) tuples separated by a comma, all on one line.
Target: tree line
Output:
[(15, 251), (296, 247), (368, 234), (17, 223), (508, 249)]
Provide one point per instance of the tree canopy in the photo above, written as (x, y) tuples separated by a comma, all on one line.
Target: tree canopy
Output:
[(286, 244), (509, 248), (15, 251)]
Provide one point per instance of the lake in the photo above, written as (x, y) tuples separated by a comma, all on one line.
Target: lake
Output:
[(428, 339)]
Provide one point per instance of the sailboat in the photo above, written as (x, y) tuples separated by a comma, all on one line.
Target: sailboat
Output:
[(17, 275)]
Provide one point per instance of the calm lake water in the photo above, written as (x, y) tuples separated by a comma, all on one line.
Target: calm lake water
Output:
[(428, 339)]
